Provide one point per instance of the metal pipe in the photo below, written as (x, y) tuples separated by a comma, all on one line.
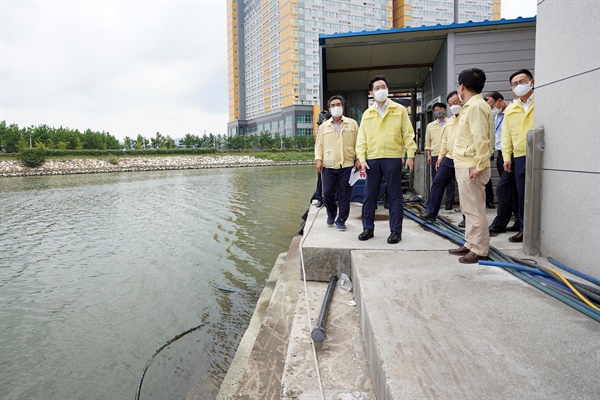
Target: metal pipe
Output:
[(318, 332), (533, 191)]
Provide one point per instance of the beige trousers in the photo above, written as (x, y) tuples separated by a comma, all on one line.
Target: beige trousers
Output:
[(472, 203)]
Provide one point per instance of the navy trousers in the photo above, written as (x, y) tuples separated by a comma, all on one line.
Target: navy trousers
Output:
[(391, 170), (450, 187), (318, 195), (444, 178), (518, 166), (336, 180), (508, 199)]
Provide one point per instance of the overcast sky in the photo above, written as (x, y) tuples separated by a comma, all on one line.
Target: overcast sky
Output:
[(125, 67)]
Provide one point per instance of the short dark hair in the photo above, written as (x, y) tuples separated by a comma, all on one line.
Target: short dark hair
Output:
[(335, 97), (378, 78), (494, 95), (438, 104), (473, 79), (519, 72), (323, 116), (451, 94)]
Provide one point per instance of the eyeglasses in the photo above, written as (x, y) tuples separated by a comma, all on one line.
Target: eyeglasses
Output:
[(521, 82)]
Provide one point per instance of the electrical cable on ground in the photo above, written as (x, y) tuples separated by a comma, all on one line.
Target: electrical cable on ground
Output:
[(312, 343)]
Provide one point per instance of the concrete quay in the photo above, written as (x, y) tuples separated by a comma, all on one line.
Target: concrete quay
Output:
[(423, 325)]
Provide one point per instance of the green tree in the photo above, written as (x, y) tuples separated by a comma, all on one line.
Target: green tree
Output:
[(128, 143), (189, 141), (235, 142), (11, 137)]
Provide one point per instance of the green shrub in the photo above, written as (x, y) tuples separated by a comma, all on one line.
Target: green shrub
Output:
[(114, 160), (33, 157)]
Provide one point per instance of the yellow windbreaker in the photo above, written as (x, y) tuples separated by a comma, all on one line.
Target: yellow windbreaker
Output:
[(337, 149), (475, 135), (447, 140), (433, 136), (517, 122), (387, 137)]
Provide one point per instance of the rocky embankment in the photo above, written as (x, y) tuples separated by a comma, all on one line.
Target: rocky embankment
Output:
[(9, 168)]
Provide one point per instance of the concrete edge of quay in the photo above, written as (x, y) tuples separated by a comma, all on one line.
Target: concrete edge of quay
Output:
[(260, 357), (421, 325)]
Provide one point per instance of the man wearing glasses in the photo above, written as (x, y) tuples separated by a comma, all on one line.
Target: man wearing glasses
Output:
[(385, 134), (518, 120)]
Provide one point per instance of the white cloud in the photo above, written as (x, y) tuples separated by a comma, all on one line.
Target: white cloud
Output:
[(122, 67)]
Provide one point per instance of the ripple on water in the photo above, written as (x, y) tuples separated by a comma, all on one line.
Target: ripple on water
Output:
[(99, 271)]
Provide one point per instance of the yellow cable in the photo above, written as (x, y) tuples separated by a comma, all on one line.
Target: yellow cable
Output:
[(566, 282)]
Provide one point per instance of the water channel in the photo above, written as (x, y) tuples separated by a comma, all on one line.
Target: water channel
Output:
[(97, 272)]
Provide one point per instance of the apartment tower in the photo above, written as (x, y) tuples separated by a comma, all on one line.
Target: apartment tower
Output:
[(273, 51)]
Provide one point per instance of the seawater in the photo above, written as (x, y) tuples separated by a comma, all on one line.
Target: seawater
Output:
[(97, 272)]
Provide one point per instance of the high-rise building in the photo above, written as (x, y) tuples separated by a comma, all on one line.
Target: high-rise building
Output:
[(273, 51), (432, 12)]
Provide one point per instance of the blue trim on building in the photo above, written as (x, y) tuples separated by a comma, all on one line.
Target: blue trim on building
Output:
[(424, 28)]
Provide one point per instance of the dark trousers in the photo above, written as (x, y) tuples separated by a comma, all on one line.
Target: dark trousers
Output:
[(391, 170), (508, 199), (318, 195), (450, 187), (489, 192), (444, 179), (518, 167), (336, 180)]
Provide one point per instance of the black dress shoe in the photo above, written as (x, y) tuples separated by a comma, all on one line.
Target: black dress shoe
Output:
[(366, 234), (490, 205), (394, 238), (428, 216), (518, 238), (514, 228), (448, 206), (496, 230)]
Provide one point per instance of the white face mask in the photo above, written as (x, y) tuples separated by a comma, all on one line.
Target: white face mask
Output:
[(336, 111), (455, 109), (381, 94), (522, 90), (496, 111)]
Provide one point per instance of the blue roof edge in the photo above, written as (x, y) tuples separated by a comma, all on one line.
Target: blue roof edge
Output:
[(423, 28)]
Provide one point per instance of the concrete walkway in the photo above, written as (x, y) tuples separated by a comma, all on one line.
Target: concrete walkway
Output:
[(424, 325)]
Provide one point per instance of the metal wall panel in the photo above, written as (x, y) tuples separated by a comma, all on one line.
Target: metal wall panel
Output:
[(498, 53)]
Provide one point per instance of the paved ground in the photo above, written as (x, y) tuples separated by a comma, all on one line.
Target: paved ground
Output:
[(424, 325)]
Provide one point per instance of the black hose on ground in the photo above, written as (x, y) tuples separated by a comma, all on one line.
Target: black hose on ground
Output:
[(318, 333)]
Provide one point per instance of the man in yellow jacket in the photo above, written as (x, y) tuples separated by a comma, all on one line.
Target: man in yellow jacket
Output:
[(433, 142), (518, 120), (335, 153), (385, 134), (444, 164), (472, 149)]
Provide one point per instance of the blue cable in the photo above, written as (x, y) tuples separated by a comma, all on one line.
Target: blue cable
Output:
[(574, 271)]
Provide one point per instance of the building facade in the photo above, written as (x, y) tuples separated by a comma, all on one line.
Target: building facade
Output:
[(274, 64), (274, 56), (411, 13)]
